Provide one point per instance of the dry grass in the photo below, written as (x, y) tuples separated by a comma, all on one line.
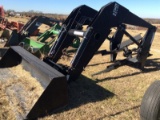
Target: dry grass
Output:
[(19, 93), (114, 95), (18, 19)]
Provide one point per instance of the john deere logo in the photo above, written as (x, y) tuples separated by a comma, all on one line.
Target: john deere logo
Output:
[(115, 10)]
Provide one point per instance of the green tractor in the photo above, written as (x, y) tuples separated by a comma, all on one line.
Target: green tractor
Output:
[(42, 45)]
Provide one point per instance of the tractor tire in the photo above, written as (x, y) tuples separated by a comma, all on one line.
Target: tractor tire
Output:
[(150, 106)]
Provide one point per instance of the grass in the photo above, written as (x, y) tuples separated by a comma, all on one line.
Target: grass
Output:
[(114, 95), (19, 92)]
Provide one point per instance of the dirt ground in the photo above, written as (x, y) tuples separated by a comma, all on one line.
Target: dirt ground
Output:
[(113, 95)]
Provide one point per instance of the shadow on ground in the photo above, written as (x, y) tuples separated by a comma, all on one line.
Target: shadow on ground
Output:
[(120, 112), (150, 66), (83, 91)]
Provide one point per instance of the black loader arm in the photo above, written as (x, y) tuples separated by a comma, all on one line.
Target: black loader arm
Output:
[(82, 15), (35, 22), (111, 15)]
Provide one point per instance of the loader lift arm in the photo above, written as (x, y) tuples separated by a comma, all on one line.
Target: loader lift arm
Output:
[(31, 26), (109, 16), (35, 22), (82, 15)]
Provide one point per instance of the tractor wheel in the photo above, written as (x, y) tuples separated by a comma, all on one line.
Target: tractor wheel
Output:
[(150, 106)]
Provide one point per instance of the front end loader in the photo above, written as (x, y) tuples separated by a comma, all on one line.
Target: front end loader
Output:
[(55, 94), (100, 23), (109, 16), (29, 29)]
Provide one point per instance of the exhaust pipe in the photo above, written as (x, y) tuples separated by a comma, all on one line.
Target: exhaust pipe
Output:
[(55, 94)]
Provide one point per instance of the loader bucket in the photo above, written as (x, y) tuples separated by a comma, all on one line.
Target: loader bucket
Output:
[(55, 94)]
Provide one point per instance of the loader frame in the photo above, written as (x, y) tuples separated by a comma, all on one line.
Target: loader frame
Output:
[(109, 16)]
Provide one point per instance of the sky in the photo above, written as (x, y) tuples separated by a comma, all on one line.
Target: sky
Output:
[(142, 8)]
